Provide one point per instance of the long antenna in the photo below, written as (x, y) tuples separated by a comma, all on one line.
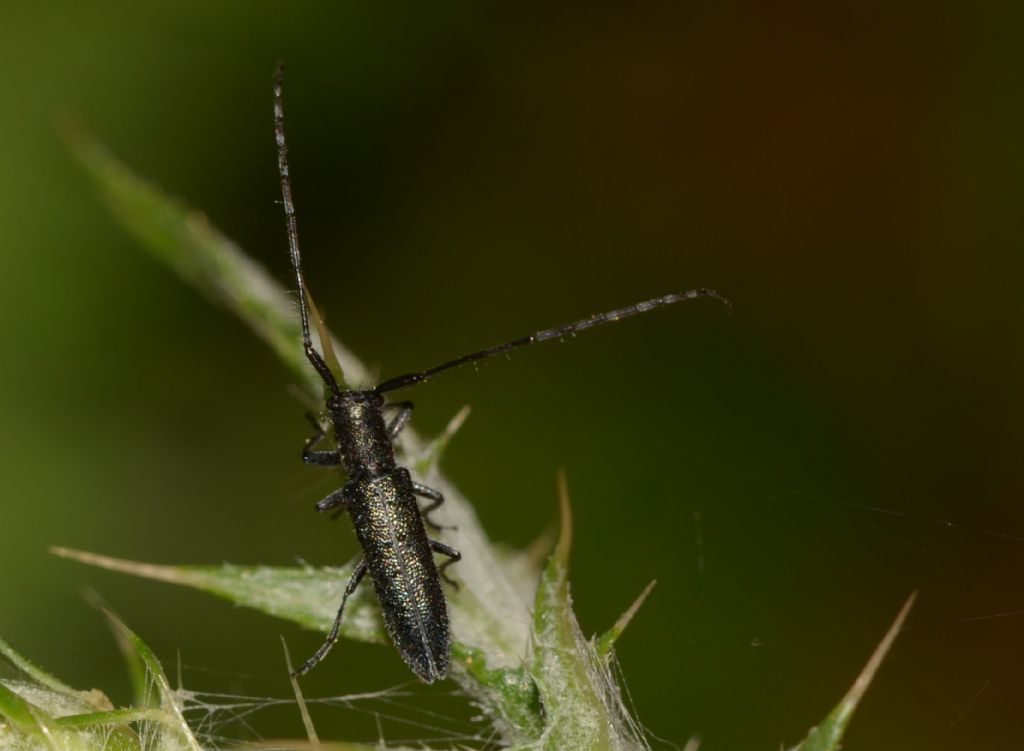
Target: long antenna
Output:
[(314, 357), (410, 379)]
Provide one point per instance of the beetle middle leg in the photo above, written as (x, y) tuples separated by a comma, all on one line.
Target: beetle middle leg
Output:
[(324, 459), (454, 556), (339, 497), (434, 495), (357, 576)]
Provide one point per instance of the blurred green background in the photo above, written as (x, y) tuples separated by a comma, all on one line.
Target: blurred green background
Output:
[(849, 176)]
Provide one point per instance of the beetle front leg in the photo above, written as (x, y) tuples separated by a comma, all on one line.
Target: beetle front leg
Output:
[(319, 458)]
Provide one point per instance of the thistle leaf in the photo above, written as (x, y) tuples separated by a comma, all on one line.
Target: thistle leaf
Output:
[(828, 735), (38, 711), (184, 240), (582, 706), (544, 688), (169, 702), (490, 614), (607, 640), (304, 595), (33, 672)]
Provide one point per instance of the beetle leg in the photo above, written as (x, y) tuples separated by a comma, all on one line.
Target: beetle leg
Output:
[(332, 637), (434, 495), (454, 556), (338, 498), (320, 458)]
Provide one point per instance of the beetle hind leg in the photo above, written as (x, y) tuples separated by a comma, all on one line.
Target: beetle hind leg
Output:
[(454, 556), (357, 576)]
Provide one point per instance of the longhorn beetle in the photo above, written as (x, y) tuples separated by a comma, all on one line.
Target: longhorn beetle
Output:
[(379, 496)]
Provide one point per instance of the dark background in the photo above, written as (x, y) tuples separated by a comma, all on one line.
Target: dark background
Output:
[(849, 176)]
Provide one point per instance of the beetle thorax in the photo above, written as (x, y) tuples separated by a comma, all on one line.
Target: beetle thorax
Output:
[(361, 433)]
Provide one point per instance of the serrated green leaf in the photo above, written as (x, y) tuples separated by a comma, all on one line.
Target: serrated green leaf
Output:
[(582, 708), (45, 691), (34, 672), (39, 706), (829, 734), (573, 710), (511, 691), (304, 595), (309, 596), (183, 239), (19, 712), (112, 728), (489, 612), (568, 683)]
